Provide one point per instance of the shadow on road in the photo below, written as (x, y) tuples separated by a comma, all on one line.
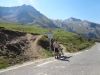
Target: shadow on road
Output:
[(65, 58)]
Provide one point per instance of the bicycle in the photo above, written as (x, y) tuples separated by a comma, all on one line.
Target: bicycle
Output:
[(60, 53)]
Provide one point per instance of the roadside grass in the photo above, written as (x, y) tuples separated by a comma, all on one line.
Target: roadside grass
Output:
[(47, 53), (4, 63), (90, 46), (73, 42)]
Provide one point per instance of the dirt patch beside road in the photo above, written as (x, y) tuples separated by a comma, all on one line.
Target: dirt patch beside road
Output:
[(18, 47), (34, 51)]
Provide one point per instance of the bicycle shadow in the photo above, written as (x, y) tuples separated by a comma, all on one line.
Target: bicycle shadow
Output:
[(65, 58)]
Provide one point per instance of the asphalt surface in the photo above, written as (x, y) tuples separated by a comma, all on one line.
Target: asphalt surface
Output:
[(82, 63)]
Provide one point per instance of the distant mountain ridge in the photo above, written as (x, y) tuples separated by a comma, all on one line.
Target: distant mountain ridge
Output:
[(24, 14), (28, 15), (85, 28)]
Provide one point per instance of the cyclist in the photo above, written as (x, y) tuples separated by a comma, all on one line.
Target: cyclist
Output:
[(56, 51)]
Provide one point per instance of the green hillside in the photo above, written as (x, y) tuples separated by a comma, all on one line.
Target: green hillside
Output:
[(73, 42), (30, 29)]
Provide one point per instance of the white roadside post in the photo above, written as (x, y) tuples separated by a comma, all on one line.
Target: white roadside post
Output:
[(50, 35)]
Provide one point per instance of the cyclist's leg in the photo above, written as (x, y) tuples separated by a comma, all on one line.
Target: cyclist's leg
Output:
[(56, 53)]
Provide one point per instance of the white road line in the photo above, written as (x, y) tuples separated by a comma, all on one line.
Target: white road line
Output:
[(99, 47), (22, 65), (18, 66), (86, 50), (77, 53), (15, 67), (45, 63)]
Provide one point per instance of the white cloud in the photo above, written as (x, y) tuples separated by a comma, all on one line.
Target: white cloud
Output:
[(34, 4), (20, 2)]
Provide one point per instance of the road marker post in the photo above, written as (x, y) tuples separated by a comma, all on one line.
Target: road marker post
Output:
[(50, 36)]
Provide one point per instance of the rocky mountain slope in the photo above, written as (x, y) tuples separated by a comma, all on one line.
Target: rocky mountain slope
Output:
[(24, 14), (85, 28)]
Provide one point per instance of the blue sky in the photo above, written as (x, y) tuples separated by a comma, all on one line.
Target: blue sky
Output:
[(62, 9)]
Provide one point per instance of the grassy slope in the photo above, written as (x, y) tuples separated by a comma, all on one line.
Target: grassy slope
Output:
[(30, 29), (71, 41)]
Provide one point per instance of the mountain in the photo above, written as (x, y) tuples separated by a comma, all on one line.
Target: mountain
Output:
[(83, 27), (25, 15), (28, 15)]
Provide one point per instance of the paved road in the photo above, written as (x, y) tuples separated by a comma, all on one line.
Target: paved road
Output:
[(81, 63)]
